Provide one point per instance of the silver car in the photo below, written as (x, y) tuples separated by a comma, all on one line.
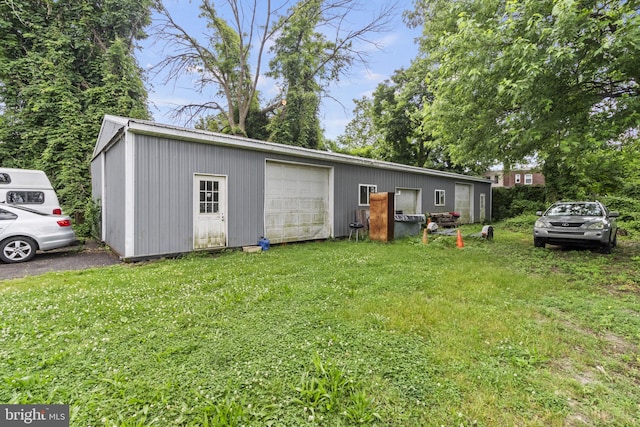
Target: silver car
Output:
[(23, 231), (576, 223)]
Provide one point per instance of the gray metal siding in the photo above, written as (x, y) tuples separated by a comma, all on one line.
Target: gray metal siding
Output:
[(96, 178), (163, 187), (96, 183), (348, 178), (114, 200), (164, 193)]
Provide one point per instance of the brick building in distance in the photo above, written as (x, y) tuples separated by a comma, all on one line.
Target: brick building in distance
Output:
[(515, 178)]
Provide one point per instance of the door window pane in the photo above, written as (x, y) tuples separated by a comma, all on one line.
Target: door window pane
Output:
[(209, 196)]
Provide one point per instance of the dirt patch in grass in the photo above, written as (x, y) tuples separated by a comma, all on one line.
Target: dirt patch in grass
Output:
[(617, 364), (619, 345), (625, 287)]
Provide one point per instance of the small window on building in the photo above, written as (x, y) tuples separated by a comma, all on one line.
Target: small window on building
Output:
[(496, 179), (365, 190), (5, 178), (528, 179), (25, 197), (209, 196), (518, 178), (439, 198)]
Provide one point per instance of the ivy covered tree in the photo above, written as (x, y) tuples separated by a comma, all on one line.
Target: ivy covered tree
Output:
[(555, 79), (63, 66), (305, 60)]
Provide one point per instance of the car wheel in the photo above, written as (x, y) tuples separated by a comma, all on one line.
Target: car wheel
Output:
[(17, 249), (538, 243), (614, 243), (606, 248)]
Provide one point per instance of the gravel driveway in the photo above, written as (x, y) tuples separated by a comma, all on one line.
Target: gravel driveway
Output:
[(87, 255)]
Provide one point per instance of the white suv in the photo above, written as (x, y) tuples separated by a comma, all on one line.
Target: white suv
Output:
[(576, 223)]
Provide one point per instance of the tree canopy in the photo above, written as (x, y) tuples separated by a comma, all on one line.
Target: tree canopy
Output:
[(63, 66), (526, 73), (550, 82), (388, 126), (308, 45), (555, 79), (299, 61)]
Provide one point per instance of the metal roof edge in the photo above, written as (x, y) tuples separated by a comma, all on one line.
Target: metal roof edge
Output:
[(147, 127), (104, 141)]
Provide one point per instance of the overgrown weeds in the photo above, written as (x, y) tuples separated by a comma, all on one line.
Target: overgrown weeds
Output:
[(326, 388)]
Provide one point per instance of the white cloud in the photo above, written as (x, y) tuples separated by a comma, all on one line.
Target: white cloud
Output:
[(335, 127), (268, 86), (370, 76), (388, 40)]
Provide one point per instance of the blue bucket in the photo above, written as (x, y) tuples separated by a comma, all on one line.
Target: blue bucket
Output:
[(264, 243)]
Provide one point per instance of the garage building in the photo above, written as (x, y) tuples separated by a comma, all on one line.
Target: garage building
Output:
[(167, 190)]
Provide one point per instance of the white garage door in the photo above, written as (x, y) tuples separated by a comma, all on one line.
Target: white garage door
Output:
[(296, 202), (463, 202)]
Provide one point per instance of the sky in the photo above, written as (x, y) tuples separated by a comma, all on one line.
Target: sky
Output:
[(397, 49)]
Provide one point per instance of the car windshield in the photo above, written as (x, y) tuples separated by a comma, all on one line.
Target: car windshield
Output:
[(575, 209)]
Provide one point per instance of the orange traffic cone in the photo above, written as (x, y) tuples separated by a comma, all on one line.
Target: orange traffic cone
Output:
[(459, 243)]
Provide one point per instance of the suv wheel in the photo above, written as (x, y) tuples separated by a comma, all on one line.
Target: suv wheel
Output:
[(538, 242), (606, 248)]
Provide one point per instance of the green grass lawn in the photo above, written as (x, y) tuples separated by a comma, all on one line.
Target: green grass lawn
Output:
[(335, 333)]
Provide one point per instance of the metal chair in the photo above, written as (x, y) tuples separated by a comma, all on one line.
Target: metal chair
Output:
[(355, 226)]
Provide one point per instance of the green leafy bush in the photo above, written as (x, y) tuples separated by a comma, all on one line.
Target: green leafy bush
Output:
[(522, 222), (511, 202), (629, 209), (90, 225)]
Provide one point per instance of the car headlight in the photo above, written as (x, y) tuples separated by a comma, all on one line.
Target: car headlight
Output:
[(540, 224), (596, 226)]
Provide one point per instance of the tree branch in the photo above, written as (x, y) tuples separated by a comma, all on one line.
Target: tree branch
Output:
[(232, 74), (193, 111)]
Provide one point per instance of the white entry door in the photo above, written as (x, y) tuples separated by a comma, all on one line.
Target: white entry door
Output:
[(210, 210)]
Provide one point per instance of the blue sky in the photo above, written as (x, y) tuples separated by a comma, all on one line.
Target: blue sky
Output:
[(398, 48)]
